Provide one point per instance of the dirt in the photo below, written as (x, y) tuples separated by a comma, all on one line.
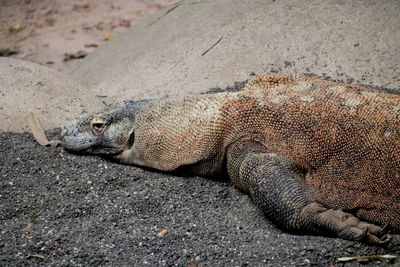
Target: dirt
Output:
[(59, 33)]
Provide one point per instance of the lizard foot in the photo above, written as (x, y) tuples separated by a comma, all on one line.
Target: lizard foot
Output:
[(346, 225)]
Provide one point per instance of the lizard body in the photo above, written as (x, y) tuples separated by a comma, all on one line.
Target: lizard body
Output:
[(303, 148)]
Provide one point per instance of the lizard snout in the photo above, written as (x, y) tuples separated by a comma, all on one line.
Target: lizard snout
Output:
[(67, 130), (73, 139)]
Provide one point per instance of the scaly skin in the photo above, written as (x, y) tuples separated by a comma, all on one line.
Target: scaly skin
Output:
[(303, 148)]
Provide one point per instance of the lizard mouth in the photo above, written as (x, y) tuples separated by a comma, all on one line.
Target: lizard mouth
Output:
[(101, 150), (82, 143), (77, 142)]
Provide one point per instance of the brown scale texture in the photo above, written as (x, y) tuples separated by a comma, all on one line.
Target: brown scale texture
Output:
[(174, 133), (346, 138)]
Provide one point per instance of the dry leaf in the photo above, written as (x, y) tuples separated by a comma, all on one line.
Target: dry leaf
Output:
[(79, 54), (16, 28), (38, 255), (369, 257), (124, 23), (86, 26), (31, 224), (38, 132), (52, 22), (162, 233), (109, 36), (100, 26), (91, 45), (8, 52), (81, 6), (115, 22)]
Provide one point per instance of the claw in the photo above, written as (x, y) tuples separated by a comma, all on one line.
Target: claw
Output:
[(347, 226), (361, 236), (353, 233), (386, 239), (374, 240), (384, 230)]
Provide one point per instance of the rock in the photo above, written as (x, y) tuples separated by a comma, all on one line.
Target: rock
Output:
[(192, 46), (28, 87)]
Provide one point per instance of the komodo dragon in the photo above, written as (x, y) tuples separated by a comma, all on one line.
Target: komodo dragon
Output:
[(317, 157)]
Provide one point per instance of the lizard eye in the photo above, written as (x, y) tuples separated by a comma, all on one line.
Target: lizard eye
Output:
[(98, 125)]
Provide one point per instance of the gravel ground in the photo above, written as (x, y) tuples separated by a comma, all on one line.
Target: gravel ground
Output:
[(92, 211), (61, 209)]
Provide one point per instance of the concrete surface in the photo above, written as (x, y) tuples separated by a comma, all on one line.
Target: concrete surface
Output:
[(29, 87), (194, 45)]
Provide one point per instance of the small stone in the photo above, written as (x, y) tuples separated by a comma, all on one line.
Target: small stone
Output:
[(162, 233)]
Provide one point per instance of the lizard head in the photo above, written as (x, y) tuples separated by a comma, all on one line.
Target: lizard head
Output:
[(109, 132)]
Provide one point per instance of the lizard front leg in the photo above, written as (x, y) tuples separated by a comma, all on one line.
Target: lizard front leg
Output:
[(278, 189)]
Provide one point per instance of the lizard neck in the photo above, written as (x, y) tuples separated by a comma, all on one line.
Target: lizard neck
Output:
[(172, 133)]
